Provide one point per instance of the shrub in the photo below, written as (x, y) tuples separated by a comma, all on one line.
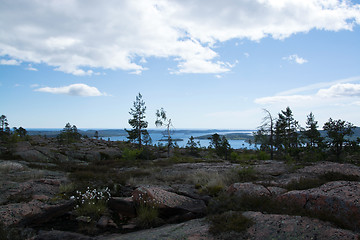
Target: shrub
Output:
[(228, 221), (262, 155), (131, 154), (246, 174)]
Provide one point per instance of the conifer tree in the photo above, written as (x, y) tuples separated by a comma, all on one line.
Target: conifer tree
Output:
[(137, 122)]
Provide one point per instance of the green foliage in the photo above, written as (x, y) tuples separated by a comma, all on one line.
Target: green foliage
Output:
[(212, 190), (137, 122), (147, 216), (147, 211), (337, 131), (192, 147), (246, 174), (244, 157), (69, 134), (227, 222), (221, 145), (286, 133), (312, 134), (308, 183), (91, 203), (131, 154), (262, 155)]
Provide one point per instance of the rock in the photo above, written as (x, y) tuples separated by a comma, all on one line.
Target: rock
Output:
[(196, 229), (326, 167), (31, 155), (41, 189), (273, 226), (84, 219), (339, 200), (60, 235), (169, 203), (271, 167), (252, 189), (123, 206), (105, 222), (32, 213)]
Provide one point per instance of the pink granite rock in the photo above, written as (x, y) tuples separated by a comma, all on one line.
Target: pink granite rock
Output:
[(252, 189), (34, 212), (340, 199), (274, 226), (168, 200)]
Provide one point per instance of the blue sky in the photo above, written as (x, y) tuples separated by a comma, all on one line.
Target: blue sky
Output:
[(209, 64)]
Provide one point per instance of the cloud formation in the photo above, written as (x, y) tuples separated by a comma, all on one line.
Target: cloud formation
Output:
[(76, 35), (79, 89), (335, 92), (295, 58), (12, 62)]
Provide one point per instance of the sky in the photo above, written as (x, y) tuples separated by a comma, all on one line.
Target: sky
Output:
[(208, 63)]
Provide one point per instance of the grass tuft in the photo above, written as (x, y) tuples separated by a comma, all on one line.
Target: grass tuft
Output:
[(228, 222)]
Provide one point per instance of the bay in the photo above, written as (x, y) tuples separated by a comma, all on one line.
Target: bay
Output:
[(184, 135)]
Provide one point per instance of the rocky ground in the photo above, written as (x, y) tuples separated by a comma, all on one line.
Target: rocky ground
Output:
[(40, 182)]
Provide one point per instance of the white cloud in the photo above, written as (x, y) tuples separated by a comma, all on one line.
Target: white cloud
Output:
[(34, 85), (246, 54), (339, 93), (79, 89), (75, 35), (295, 58), (341, 90), (10, 62), (31, 68)]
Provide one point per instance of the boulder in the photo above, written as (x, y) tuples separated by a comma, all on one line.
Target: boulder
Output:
[(123, 206), (274, 226), (252, 189), (339, 199), (326, 167), (31, 155), (12, 192), (33, 213), (106, 222), (196, 229), (59, 235), (169, 203)]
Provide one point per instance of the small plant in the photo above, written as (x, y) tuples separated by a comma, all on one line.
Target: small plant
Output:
[(246, 174), (91, 203), (228, 221), (66, 189), (147, 212), (262, 155)]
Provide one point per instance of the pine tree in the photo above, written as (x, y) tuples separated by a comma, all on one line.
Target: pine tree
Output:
[(137, 121), (286, 131), (312, 134), (336, 131)]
